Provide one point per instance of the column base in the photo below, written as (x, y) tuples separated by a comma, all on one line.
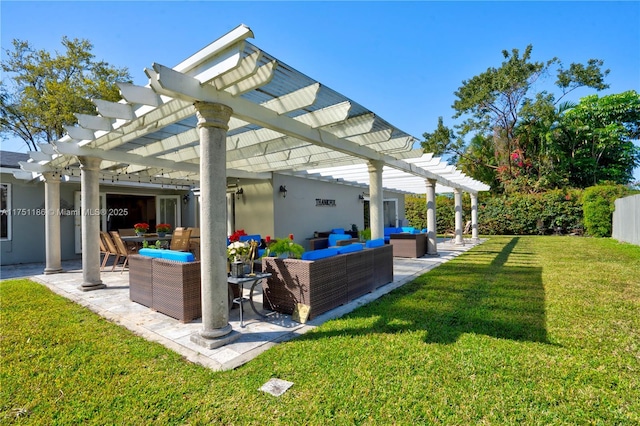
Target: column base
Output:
[(433, 254), (92, 286), (216, 342), (49, 271)]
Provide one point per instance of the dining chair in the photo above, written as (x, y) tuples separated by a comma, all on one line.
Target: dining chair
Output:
[(110, 249), (180, 239), (127, 232), (194, 242), (122, 248)]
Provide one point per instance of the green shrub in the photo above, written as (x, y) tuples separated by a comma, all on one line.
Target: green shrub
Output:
[(556, 211), (598, 208)]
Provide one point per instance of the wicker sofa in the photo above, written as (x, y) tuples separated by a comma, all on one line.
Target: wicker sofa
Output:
[(171, 287), (328, 282)]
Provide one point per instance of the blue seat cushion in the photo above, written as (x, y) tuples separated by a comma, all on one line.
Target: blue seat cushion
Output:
[(178, 256), (254, 237), (379, 242), (150, 252), (319, 254), (391, 230), (410, 230), (337, 231), (334, 238), (350, 248)]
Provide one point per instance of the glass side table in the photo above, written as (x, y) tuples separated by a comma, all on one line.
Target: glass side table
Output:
[(249, 280)]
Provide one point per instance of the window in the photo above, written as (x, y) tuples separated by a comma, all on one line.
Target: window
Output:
[(169, 210), (5, 211)]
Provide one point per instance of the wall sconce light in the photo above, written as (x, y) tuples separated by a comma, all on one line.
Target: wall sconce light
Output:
[(185, 199), (361, 197), (283, 191), (239, 192)]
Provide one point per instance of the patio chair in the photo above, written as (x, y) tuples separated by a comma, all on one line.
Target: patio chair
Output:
[(127, 232), (180, 239), (194, 242), (109, 249), (467, 228), (122, 248)]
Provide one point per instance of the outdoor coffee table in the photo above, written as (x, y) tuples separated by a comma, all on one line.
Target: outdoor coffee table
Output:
[(250, 279)]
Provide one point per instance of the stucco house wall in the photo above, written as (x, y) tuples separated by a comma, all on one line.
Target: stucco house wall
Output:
[(26, 243), (261, 209)]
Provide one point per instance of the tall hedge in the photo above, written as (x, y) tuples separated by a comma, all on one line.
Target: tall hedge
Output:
[(598, 205), (519, 214), (562, 211), (556, 211)]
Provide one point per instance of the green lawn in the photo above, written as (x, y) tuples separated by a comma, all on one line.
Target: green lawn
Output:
[(519, 330)]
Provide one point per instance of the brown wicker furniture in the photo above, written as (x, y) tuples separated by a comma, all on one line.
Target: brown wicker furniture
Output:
[(382, 265), (176, 289), (408, 245), (141, 279), (320, 284), (341, 243), (326, 283), (318, 243), (359, 273)]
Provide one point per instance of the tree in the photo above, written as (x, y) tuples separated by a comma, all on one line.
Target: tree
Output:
[(594, 139), (495, 103), (40, 93), (442, 141)]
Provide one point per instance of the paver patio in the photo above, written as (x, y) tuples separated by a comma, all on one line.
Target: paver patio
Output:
[(258, 334)]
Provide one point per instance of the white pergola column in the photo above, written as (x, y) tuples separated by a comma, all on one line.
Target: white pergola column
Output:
[(457, 197), (474, 216), (432, 231), (90, 218), (376, 210), (213, 122), (53, 253)]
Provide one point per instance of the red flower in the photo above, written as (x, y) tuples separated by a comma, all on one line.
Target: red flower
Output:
[(141, 227), (236, 235)]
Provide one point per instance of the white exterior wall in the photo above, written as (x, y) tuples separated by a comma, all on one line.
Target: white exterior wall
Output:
[(254, 208), (298, 214), (27, 230), (626, 219)]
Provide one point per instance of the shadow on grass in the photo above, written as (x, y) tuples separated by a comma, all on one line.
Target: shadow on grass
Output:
[(486, 291)]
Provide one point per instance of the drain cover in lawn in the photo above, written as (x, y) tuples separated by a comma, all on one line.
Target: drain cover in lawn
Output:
[(276, 387)]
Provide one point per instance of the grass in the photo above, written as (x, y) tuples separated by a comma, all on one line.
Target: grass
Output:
[(519, 330)]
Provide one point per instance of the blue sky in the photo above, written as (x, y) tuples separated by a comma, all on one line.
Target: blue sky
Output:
[(402, 60)]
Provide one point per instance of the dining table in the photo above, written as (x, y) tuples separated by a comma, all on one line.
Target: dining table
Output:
[(149, 237)]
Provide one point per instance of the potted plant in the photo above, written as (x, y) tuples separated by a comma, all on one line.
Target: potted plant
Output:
[(162, 229), (284, 247), (364, 234), (141, 228), (157, 245), (238, 253)]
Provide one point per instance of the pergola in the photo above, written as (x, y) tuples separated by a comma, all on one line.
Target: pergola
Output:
[(232, 110)]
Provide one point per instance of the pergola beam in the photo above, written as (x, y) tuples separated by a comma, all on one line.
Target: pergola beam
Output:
[(179, 85)]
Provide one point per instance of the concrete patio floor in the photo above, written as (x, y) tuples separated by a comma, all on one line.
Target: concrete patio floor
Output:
[(257, 335)]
